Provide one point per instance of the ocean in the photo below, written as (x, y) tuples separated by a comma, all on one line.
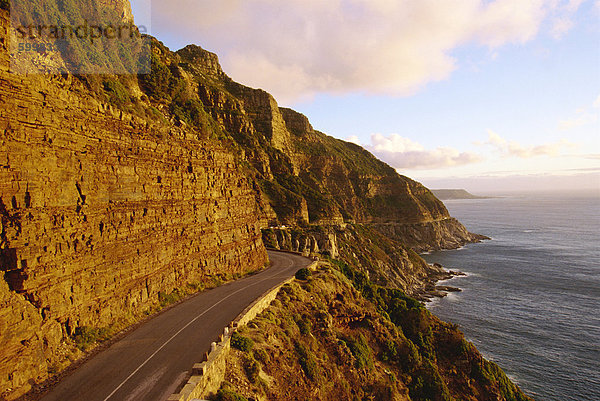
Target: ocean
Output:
[(531, 300)]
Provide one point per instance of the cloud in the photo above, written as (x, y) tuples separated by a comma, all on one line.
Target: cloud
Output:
[(500, 182), (585, 170), (580, 120), (583, 117), (563, 17), (514, 149), (406, 154), (354, 139), (296, 48)]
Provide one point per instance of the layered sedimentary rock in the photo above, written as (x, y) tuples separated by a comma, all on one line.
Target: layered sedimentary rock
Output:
[(100, 211), (443, 233)]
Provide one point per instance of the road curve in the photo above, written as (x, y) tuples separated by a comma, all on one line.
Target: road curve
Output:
[(151, 361)]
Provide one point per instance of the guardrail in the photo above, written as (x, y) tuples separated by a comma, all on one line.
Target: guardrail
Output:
[(207, 376)]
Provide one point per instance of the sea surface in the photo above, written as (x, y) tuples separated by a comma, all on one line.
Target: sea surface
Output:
[(531, 300)]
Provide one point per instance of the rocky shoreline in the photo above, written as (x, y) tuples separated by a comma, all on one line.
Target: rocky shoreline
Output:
[(432, 290)]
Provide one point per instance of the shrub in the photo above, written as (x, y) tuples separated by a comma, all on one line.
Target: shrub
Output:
[(251, 368), (228, 395), (240, 342), (361, 351), (495, 375), (261, 355), (167, 299), (307, 362), (189, 111), (117, 93), (156, 84), (303, 274), (304, 326), (390, 351), (85, 336), (429, 385)]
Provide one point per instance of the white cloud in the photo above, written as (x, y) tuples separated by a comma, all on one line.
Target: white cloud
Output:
[(583, 116), (562, 20), (561, 27), (495, 139), (580, 120), (514, 149), (509, 21), (296, 48), (354, 139), (502, 182), (394, 143), (406, 154)]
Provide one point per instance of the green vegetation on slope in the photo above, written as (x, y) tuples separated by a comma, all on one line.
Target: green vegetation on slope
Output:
[(339, 336), (335, 180), (83, 45)]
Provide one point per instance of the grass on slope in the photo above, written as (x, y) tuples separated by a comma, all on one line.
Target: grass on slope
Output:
[(338, 336)]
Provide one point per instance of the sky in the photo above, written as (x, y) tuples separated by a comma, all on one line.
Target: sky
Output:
[(496, 95)]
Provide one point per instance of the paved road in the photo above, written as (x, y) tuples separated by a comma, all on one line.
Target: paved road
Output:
[(150, 362)]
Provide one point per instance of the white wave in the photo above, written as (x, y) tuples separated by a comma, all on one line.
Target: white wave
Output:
[(452, 297)]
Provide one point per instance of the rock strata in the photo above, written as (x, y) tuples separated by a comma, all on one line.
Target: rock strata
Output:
[(101, 213)]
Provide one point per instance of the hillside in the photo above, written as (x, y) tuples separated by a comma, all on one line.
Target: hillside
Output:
[(448, 194), (336, 336), (121, 193)]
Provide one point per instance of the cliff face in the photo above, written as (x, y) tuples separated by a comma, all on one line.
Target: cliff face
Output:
[(309, 177), (336, 196), (386, 261), (102, 212)]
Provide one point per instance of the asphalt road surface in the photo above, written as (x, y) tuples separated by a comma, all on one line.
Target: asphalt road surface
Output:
[(150, 362)]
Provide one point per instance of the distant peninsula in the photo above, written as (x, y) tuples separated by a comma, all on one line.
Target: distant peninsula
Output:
[(449, 194)]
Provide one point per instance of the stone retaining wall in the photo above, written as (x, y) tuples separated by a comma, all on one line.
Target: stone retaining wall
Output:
[(207, 376)]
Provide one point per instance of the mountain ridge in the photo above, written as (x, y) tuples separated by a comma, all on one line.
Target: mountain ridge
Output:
[(448, 194)]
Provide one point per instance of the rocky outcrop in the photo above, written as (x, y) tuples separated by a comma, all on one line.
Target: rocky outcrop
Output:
[(203, 62), (385, 260), (308, 241), (121, 7), (296, 123), (435, 235), (263, 112)]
